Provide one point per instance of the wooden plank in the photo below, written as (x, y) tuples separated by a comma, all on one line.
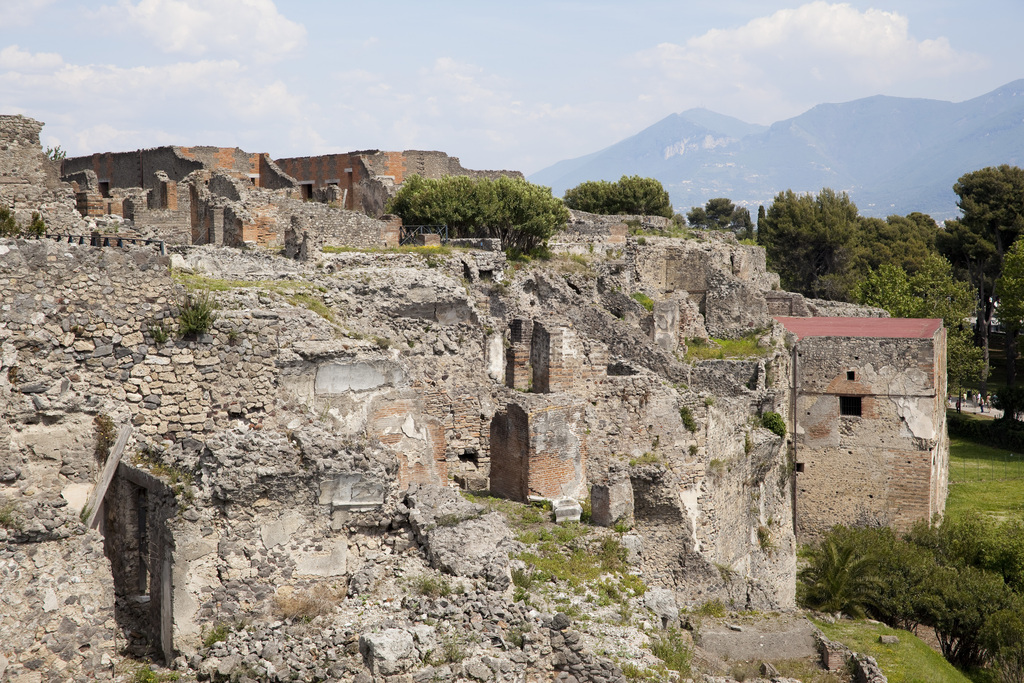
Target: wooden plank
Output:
[(109, 468)]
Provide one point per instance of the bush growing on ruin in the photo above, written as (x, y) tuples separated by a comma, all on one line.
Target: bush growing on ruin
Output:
[(522, 215), (37, 228), (197, 314), (8, 226), (773, 422), (673, 648)]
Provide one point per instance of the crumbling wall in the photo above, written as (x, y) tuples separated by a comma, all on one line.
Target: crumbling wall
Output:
[(538, 450), (887, 464), (365, 180), (727, 281), (29, 181)]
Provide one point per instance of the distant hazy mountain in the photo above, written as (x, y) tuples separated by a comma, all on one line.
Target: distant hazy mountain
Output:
[(891, 154)]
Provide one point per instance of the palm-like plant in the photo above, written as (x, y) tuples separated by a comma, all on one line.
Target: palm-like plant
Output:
[(839, 578)]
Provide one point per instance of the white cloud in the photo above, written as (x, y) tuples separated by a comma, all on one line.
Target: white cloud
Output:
[(778, 65), (21, 12), (93, 108), (250, 30), (13, 57)]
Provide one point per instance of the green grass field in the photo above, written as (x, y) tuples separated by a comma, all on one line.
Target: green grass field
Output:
[(909, 661), (984, 479)]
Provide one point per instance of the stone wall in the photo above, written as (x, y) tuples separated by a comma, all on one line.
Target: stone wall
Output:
[(726, 280), (29, 181), (365, 180), (889, 464)]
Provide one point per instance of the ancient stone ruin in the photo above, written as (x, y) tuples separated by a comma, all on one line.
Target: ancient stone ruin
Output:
[(293, 496)]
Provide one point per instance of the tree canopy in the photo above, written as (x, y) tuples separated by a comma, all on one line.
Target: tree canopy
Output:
[(931, 292), (631, 195), (721, 214), (521, 214)]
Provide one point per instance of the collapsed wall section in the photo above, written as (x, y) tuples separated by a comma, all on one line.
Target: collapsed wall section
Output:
[(29, 181)]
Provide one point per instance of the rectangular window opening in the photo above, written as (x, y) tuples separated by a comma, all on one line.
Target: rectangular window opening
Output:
[(850, 375), (799, 467), (850, 405)]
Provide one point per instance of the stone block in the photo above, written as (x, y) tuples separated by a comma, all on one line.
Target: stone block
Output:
[(611, 502), (567, 510), (389, 652)]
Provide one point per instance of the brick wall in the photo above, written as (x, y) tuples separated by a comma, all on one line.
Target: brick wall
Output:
[(537, 450)]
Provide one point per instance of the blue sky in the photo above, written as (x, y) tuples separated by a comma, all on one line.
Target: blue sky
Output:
[(514, 85)]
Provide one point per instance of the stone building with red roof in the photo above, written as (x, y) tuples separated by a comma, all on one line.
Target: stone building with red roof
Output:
[(868, 419)]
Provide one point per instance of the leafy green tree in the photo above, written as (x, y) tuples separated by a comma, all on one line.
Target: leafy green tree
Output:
[(808, 242), (963, 599), (631, 195), (521, 214), (1010, 290), (593, 196), (905, 241), (1003, 638), (931, 292), (992, 202), (721, 214), (643, 196)]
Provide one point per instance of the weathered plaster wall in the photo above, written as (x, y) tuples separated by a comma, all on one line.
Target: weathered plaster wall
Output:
[(888, 465)]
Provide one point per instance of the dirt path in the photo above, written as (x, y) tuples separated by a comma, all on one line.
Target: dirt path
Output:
[(759, 638)]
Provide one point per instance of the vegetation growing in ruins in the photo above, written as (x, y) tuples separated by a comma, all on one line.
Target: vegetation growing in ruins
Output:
[(642, 299), (8, 226), (105, 434), (686, 415), (672, 648), (747, 346), (774, 423), (964, 578), (631, 195), (9, 515), (306, 605), (196, 314), (522, 215)]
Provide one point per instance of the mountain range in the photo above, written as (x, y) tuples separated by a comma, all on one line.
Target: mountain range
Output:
[(892, 155)]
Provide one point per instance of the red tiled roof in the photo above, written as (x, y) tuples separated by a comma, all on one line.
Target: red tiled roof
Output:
[(902, 328)]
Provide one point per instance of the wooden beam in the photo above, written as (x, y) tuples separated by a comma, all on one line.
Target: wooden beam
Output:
[(109, 468)]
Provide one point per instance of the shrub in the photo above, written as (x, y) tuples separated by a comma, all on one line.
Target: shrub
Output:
[(686, 415), (712, 608), (9, 516), (217, 634), (773, 422), (433, 587), (159, 333), (197, 313), (105, 436), (8, 226), (37, 228), (673, 649)]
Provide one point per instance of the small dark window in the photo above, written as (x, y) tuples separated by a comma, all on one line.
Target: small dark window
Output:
[(307, 190), (849, 405), (850, 375), (799, 467)]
